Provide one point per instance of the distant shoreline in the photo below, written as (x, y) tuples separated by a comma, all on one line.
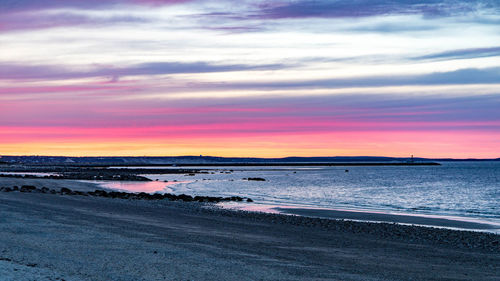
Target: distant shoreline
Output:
[(297, 164), (260, 164), (106, 161)]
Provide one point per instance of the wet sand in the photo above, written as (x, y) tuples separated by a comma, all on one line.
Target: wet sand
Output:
[(382, 217)]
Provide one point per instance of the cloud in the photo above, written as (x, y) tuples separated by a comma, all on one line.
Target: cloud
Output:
[(54, 72), (33, 5), (33, 14), (462, 54), (23, 15), (367, 8), (113, 73), (235, 29), (294, 114), (462, 76), (33, 20)]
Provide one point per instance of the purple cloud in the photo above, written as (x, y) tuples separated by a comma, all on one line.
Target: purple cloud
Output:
[(33, 5), (47, 72), (273, 114), (463, 54), (32, 20), (458, 77), (366, 8), (22, 15), (30, 14)]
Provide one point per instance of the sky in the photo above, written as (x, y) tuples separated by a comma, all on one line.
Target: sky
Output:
[(250, 78)]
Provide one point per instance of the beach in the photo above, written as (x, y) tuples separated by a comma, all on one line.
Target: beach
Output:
[(56, 237), (249, 140)]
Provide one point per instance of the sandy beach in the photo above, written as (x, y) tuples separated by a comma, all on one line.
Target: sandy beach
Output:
[(55, 237)]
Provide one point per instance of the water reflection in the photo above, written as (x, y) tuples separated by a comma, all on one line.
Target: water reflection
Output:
[(141, 186)]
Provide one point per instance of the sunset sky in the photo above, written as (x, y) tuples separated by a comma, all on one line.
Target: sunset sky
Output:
[(250, 78)]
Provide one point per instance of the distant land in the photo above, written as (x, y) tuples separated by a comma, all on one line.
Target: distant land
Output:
[(211, 160)]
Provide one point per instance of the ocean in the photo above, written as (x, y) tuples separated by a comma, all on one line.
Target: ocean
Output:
[(469, 190)]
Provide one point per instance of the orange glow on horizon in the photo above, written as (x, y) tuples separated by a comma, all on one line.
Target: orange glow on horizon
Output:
[(394, 144)]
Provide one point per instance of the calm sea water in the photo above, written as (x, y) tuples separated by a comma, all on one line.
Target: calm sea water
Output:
[(460, 189)]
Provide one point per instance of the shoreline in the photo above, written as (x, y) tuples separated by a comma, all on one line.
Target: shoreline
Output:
[(411, 219), (375, 216), (362, 215)]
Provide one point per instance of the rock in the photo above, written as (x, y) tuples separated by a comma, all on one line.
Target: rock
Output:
[(99, 193), (27, 188), (67, 191), (185, 197), (255, 179), (143, 195), (157, 196)]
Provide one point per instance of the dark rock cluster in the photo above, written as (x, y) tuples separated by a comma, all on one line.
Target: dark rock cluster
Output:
[(254, 179), (125, 195)]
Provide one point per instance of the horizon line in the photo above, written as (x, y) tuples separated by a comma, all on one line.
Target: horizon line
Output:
[(233, 157)]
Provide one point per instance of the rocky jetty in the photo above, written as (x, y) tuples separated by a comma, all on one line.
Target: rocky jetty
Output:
[(125, 195)]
